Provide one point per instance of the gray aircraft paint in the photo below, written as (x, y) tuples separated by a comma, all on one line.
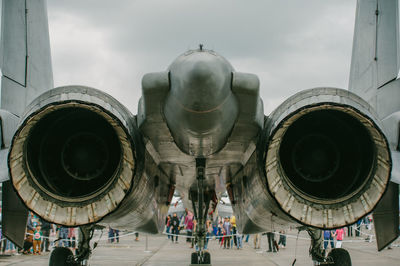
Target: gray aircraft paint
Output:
[(229, 130)]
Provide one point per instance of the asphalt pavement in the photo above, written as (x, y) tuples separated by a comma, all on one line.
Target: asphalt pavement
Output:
[(161, 251)]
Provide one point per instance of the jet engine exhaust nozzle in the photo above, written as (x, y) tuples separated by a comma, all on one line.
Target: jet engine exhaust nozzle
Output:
[(72, 160), (328, 162)]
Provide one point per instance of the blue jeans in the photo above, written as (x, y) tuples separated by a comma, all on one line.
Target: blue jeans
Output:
[(208, 235), (10, 245), (239, 239), (167, 231)]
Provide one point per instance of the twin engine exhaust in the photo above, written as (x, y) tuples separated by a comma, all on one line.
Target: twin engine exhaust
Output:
[(327, 162), (72, 160)]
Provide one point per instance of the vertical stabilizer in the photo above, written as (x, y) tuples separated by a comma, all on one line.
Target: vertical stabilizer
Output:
[(26, 58), (375, 46), (25, 63)]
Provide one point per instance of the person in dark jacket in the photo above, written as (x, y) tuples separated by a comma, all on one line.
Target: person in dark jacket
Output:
[(174, 227), (28, 243), (46, 233)]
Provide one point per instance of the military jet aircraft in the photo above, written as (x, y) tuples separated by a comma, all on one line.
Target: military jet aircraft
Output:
[(323, 159)]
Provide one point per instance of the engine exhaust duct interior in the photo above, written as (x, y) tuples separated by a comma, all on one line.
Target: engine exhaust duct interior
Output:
[(328, 162), (72, 159)]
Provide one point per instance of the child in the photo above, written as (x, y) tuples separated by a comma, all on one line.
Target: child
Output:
[(37, 240)]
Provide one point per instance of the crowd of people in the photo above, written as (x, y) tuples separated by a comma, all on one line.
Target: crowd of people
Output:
[(37, 238), (224, 230)]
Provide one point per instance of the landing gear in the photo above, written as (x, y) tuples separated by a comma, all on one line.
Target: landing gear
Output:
[(201, 257), (316, 251), (340, 256), (203, 201), (62, 256), (337, 256)]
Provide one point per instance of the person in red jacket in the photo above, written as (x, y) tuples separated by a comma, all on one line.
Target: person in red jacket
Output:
[(339, 233)]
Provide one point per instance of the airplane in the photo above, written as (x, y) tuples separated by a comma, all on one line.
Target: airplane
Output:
[(323, 159)]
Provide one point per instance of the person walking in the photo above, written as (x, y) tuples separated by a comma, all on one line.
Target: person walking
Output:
[(282, 239), (168, 225), (110, 235), (234, 231), (189, 228), (63, 236), (72, 239), (209, 229), (46, 234), (271, 242), (30, 228), (228, 231), (328, 238), (339, 233), (174, 227), (257, 241)]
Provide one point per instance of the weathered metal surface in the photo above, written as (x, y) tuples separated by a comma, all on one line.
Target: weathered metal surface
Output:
[(200, 108), (319, 211), (177, 163), (386, 217), (14, 215), (40, 196), (9, 123)]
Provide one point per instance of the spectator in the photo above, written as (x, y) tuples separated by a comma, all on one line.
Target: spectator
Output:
[(239, 239), (257, 241), (136, 236), (209, 230), (339, 233), (228, 232), (72, 239), (63, 236), (116, 235), (174, 227), (46, 234), (233, 223), (271, 242), (282, 239), (29, 235), (358, 227), (110, 235), (168, 225), (189, 227), (328, 238), (37, 240)]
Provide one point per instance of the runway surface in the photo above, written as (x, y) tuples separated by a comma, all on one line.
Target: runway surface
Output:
[(161, 251)]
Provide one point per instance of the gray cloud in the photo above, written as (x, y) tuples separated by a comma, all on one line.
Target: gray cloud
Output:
[(290, 45)]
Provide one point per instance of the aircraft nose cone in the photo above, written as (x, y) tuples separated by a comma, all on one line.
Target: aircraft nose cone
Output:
[(200, 82)]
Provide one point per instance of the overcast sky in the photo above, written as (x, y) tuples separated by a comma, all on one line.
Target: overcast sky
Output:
[(290, 45)]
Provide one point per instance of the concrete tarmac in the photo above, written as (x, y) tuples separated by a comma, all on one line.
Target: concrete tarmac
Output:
[(161, 251)]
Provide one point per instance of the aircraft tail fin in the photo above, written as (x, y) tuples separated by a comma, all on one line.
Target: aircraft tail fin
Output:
[(25, 64), (375, 56), (26, 59)]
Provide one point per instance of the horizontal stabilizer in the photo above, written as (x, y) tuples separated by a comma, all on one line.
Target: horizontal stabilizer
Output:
[(375, 46), (14, 215), (386, 217)]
